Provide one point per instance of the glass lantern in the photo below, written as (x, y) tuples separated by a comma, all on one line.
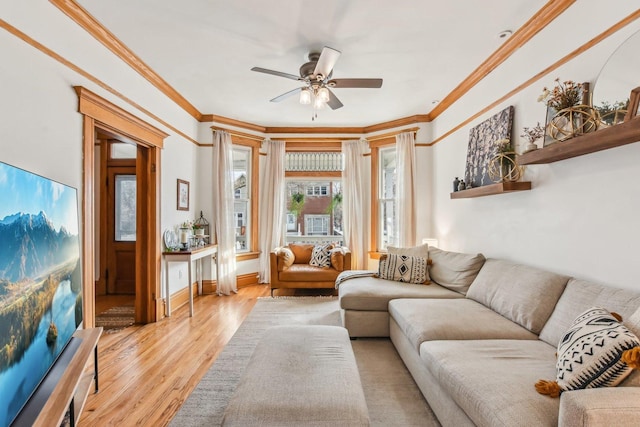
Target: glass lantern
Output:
[(201, 228)]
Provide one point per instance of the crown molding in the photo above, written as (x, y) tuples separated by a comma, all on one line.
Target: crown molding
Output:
[(526, 32), (232, 122), (91, 25), (571, 55)]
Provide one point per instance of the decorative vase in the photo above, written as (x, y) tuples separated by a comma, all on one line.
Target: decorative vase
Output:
[(530, 147), (572, 121), (504, 168)]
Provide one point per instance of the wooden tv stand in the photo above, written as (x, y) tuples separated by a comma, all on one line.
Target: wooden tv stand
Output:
[(72, 390)]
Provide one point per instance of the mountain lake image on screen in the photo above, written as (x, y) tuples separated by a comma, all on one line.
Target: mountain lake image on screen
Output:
[(40, 281)]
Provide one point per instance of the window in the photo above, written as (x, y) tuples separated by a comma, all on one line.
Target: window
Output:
[(316, 225), (291, 222), (387, 218), (314, 210), (125, 208), (242, 197), (317, 190)]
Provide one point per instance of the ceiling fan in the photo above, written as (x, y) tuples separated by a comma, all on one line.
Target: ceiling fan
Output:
[(317, 82)]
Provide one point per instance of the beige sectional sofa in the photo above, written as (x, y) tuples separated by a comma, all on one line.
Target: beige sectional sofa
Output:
[(476, 351)]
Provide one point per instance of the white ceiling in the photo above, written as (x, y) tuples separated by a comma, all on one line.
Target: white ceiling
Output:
[(205, 50)]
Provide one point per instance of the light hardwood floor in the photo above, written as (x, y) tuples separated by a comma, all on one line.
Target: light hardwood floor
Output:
[(147, 372)]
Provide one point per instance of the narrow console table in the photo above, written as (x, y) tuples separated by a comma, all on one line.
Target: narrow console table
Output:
[(189, 256)]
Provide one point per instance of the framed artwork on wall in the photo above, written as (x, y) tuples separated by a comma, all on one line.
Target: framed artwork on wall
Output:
[(483, 146), (183, 195)]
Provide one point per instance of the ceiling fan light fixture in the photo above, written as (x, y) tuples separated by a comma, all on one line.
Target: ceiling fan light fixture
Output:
[(319, 103), (305, 96), (323, 94)]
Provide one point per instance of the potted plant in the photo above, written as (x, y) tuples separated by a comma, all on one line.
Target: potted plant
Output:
[(532, 135), (296, 204), (612, 114)]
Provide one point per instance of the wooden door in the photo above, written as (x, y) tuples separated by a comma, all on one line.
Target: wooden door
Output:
[(121, 232)]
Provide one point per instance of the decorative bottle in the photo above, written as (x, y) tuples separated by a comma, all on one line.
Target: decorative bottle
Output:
[(456, 183)]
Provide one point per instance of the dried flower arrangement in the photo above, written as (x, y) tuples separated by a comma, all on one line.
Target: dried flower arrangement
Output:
[(563, 95), (533, 134), (504, 145)]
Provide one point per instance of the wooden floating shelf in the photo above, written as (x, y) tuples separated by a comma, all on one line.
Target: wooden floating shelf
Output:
[(488, 190), (603, 139)]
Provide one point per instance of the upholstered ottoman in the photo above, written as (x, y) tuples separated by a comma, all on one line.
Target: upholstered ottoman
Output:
[(300, 376)]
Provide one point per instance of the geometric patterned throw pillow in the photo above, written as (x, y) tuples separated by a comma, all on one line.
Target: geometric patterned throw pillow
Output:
[(403, 268), (590, 353), (321, 255)]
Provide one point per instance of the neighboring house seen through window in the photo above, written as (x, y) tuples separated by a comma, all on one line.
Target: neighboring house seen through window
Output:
[(242, 196)]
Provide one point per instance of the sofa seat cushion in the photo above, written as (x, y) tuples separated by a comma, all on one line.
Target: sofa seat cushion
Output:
[(308, 273), (580, 295), (374, 294), (526, 295), (456, 319), (491, 380)]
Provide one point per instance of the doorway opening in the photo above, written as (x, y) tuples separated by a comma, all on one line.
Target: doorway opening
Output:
[(116, 213), (101, 117)]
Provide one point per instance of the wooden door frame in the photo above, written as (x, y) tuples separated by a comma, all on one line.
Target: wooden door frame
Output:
[(100, 114)]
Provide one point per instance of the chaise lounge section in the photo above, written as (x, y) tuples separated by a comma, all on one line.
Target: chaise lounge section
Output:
[(476, 353)]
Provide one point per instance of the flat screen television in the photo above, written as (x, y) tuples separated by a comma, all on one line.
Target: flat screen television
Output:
[(40, 282)]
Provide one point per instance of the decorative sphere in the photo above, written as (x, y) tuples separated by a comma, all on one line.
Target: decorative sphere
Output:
[(503, 167)]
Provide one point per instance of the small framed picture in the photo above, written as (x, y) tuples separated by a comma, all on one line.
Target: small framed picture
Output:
[(183, 195)]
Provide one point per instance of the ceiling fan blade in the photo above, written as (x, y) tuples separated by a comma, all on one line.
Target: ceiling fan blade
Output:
[(327, 60), (334, 102), (286, 95), (364, 83), (275, 73)]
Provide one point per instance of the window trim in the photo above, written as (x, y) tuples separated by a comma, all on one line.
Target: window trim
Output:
[(254, 156), (375, 242), (326, 181)]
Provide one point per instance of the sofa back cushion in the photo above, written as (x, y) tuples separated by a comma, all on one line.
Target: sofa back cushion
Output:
[(302, 252), (421, 251), (578, 296), (453, 270), (523, 294), (337, 258)]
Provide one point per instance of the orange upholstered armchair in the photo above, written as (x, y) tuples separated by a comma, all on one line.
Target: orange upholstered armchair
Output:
[(291, 266)]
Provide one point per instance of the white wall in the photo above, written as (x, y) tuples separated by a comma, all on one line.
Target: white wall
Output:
[(580, 218), (40, 127)]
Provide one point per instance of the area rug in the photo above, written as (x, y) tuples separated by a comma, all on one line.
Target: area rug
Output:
[(116, 318), (392, 396)]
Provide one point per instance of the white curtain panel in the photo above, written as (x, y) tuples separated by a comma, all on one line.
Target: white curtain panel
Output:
[(354, 202), (406, 188), (223, 212), (272, 204)]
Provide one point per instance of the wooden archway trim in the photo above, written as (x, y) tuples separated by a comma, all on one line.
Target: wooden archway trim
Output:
[(98, 113), (98, 108)]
